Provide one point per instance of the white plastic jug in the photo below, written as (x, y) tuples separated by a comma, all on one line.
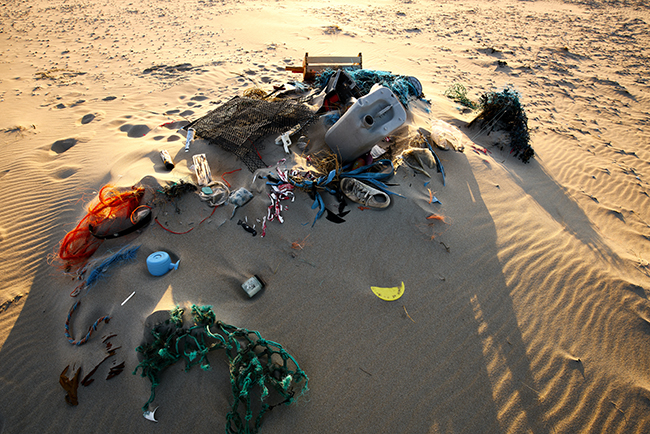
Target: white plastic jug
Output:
[(371, 118)]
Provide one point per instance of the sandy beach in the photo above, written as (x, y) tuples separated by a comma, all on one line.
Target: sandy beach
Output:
[(525, 303)]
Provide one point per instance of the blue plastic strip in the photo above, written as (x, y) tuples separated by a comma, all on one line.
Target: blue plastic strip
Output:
[(435, 157)]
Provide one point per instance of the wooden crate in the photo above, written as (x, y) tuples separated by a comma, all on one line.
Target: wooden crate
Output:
[(315, 64)]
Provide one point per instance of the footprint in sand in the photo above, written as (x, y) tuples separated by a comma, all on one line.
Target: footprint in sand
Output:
[(135, 130), (87, 119), (64, 172), (91, 117), (60, 146)]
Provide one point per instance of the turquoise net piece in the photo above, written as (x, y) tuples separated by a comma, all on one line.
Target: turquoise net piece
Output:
[(259, 368)]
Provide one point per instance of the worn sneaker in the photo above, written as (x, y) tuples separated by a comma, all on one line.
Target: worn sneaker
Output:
[(364, 194)]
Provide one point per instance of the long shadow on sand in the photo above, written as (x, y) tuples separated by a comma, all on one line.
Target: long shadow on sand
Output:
[(448, 356)]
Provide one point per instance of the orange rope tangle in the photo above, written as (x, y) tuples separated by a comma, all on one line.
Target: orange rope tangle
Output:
[(113, 206)]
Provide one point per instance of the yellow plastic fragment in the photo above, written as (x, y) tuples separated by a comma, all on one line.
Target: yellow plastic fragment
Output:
[(389, 294)]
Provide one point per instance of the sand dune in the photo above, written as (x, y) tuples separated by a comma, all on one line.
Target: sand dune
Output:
[(525, 310)]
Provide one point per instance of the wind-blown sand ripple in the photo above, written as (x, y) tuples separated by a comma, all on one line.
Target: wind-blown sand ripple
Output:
[(525, 310)]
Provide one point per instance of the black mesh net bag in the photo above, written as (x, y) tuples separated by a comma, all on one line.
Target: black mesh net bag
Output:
[(239, 125)]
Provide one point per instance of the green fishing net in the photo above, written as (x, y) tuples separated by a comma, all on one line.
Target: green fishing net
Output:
[(404, 87), (257, 366), (503, 110)]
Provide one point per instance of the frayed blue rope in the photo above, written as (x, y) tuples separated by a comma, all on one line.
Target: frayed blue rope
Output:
[(124, 254)]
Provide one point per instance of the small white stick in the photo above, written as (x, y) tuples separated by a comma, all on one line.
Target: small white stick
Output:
[(128, 298)]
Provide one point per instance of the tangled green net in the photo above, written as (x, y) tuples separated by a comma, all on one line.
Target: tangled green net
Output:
[(504, 110), (405, 88), (255, 363)]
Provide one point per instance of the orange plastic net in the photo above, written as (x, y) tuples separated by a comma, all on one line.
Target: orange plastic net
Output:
[(110, 212)]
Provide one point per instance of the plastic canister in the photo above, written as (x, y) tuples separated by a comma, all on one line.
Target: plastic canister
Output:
[(370, 119)]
